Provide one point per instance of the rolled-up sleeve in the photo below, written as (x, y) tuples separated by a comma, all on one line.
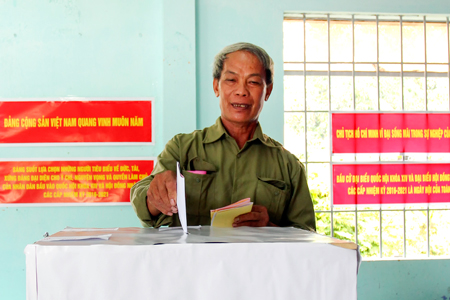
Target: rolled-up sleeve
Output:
[(138, 194), (300, 212)]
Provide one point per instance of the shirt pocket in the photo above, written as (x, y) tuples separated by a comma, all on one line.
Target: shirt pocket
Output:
[(198, 164), (199, 188), (272, 193)]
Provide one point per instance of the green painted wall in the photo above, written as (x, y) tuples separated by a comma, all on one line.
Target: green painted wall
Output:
[(220, 23), (162, 49), (84, 48)]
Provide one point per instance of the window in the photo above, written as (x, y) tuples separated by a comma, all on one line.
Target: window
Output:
[(357, 63)]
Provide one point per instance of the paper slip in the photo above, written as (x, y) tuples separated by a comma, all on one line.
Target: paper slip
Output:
[(178, 228), (89, 229), (224, 216), (76, 238), (181, 199)]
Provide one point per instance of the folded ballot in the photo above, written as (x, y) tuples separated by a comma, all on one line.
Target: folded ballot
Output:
[(224, 216)]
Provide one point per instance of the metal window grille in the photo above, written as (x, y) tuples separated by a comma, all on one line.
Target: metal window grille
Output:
[(314, 77)]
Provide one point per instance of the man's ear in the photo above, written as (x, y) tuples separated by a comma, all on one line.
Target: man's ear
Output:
[(268, 91), (216, 87)]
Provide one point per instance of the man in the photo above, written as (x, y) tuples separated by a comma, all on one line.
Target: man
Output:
[(232, 159)]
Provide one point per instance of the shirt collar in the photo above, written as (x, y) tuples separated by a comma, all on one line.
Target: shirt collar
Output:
[(216, 132)]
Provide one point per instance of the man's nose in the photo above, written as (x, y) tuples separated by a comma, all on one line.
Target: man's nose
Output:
[(242, 89)]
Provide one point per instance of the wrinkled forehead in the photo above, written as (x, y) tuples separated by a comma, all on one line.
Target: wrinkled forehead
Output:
[(245, 60), (250, 57)]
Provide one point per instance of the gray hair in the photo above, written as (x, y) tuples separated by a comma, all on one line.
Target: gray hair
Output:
[(259, 52)]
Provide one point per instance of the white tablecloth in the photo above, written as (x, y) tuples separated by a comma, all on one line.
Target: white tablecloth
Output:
[(209, 263)]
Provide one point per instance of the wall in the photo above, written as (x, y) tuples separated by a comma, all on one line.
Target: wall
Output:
[(162, 49), (220, 23), (83, 48)]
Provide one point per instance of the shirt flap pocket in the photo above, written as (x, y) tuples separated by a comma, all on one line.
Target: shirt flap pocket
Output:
[(275, 182), (198, 164)]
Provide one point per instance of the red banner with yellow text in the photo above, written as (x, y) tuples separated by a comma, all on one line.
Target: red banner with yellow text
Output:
[(100, 181), (391, 183), (76, 121), (390, 132)]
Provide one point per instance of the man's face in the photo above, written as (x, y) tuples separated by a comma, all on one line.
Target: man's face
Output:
[(241, 88)]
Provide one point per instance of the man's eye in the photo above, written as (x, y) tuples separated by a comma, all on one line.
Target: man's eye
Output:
[(229, 79), (255, 82)]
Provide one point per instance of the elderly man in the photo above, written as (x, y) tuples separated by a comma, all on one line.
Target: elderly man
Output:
[(232, 159)]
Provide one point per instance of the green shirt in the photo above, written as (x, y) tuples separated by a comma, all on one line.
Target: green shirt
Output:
[(262, 170)]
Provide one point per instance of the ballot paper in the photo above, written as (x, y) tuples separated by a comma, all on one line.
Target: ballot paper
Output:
[(224, 216), (178, 228), (89, 229), (76, 238), (181, 199)]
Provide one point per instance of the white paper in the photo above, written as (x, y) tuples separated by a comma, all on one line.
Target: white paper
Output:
[(89, 229), (31, 272), (76, 238), (203, 271), (181, 199), (178, 228)]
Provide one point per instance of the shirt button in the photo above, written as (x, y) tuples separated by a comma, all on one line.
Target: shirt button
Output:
[(238, 156), (277, 193), (197, 179)]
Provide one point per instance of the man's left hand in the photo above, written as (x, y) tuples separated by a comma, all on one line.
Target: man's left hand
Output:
[(258, 217)]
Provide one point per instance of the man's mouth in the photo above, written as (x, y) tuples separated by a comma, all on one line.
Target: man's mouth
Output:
[(240, 105)]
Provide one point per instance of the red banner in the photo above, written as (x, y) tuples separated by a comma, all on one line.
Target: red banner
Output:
[(390, 132), (75, 121), (70, 181), (391, 183)]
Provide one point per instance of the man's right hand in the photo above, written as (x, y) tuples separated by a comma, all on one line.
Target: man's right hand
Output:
[(162, 194)]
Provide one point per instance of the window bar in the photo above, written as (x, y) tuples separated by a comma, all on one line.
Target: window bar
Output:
[(426, 63), (448, 49), (403, 108), (401, 64), (353, 61), (426, 108), (354, 108), (304, 81), (304, 92), (378, 90), (305, 114), (329, 123), (353, 78)]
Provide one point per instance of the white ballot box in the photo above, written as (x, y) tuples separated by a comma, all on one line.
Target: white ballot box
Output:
[(208, 263)]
